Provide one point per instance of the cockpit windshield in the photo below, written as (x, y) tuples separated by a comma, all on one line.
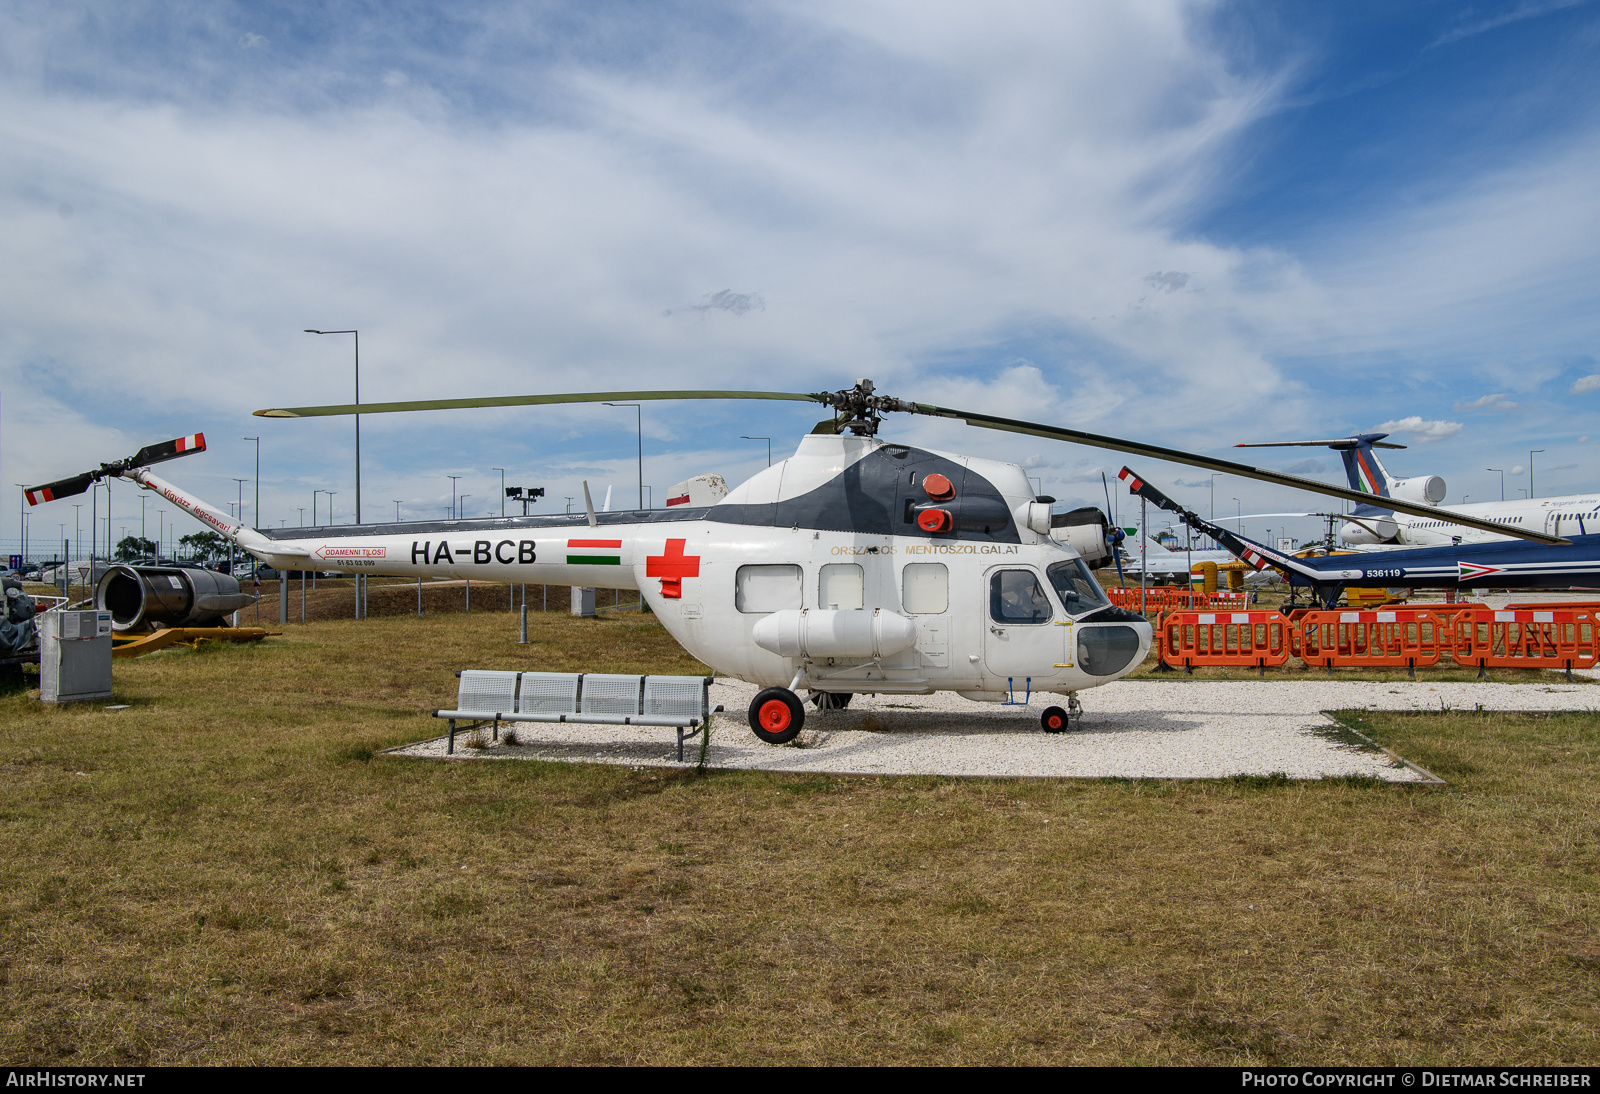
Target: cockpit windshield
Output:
[(1080, 593)]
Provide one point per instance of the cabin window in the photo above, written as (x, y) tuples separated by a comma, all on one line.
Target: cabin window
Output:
[(1015, 597), (1075, 585), (761, 589), (925, 588), (839, 586)]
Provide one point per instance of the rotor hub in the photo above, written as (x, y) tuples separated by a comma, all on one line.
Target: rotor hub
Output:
[(859, 410)]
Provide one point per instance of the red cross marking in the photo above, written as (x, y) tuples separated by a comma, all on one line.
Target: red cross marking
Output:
[(672, 568)]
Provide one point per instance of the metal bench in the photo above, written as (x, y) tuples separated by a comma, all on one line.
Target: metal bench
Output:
[(487, 697)]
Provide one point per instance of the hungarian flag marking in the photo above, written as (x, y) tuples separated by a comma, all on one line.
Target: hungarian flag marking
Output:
[(590, 546), (1471, 571)]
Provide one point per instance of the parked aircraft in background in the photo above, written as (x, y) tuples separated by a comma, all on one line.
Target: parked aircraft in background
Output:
[(1375, 525), (1508, 564)]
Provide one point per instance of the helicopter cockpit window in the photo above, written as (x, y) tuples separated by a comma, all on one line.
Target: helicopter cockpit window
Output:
[(761, 589), (925, 588), (1015, 597), (1080, 593), (839, 586)]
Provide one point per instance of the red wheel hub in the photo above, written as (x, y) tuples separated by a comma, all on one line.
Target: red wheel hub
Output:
[(1055, 721), (774, 716)]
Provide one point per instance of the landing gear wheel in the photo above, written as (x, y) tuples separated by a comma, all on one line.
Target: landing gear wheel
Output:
[(831, 700), (1055, 720), (776, 716)]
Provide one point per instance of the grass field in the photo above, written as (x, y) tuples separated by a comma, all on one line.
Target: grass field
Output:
[(226, 873)]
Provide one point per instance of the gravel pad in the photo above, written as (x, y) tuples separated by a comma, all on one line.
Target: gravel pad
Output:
[(1169, 729)]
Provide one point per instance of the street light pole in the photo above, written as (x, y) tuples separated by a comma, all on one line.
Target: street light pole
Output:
[(255, 513), (241, 483), (358, 413), (454, 514), (742, 437), (397, 511), (1530, 472), (640, 422), (502, 488), (1502, 481)]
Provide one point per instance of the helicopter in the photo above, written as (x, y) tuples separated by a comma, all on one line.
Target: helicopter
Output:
[(856, 566)]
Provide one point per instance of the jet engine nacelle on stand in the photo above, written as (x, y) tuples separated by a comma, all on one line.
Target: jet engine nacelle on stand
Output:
[(141, 597)]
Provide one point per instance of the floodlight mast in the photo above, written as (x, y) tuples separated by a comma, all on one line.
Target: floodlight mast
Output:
[(308, 330)]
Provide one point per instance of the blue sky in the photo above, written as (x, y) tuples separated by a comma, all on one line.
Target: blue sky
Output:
[(1193, 223)]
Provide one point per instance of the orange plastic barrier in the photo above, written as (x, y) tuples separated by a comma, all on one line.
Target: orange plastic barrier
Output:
[(1165, 599), (1559, 638), (1547, 605), (1244, 639), (1397, 638)]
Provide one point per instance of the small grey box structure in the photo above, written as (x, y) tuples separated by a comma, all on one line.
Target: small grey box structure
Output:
[(74, 656), (583, 601)]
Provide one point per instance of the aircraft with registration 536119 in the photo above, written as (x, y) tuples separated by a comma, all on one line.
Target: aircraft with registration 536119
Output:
[(858, 565)]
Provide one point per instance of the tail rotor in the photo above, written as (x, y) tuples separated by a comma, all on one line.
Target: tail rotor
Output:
[(1114, 537)]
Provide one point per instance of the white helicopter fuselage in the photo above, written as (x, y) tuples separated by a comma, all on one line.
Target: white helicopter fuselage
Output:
[(840, 569)]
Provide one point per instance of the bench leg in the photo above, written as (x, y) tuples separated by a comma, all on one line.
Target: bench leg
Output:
[(685, 735), (449, 749)]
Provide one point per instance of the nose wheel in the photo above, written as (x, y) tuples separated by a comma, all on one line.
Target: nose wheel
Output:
[(776, 716), (1057, 720)]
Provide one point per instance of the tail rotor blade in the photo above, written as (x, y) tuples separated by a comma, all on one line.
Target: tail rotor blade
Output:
[(169, 450), (61, 488), (1115, 537)]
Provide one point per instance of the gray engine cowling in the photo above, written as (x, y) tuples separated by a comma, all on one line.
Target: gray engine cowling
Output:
[(143, 597)]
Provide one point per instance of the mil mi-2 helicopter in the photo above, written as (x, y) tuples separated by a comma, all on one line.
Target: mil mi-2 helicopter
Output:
[(857, 565)]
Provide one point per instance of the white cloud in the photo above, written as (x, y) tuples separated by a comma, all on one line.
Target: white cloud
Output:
[(1529, 9), (928, 188), (1585, 384), (1487, 402), (1420, 431)]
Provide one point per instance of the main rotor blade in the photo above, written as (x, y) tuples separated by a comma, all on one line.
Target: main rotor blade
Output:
[(1337, 442), (61, 488), (168, 450), (529, 400), (1244, 471)]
